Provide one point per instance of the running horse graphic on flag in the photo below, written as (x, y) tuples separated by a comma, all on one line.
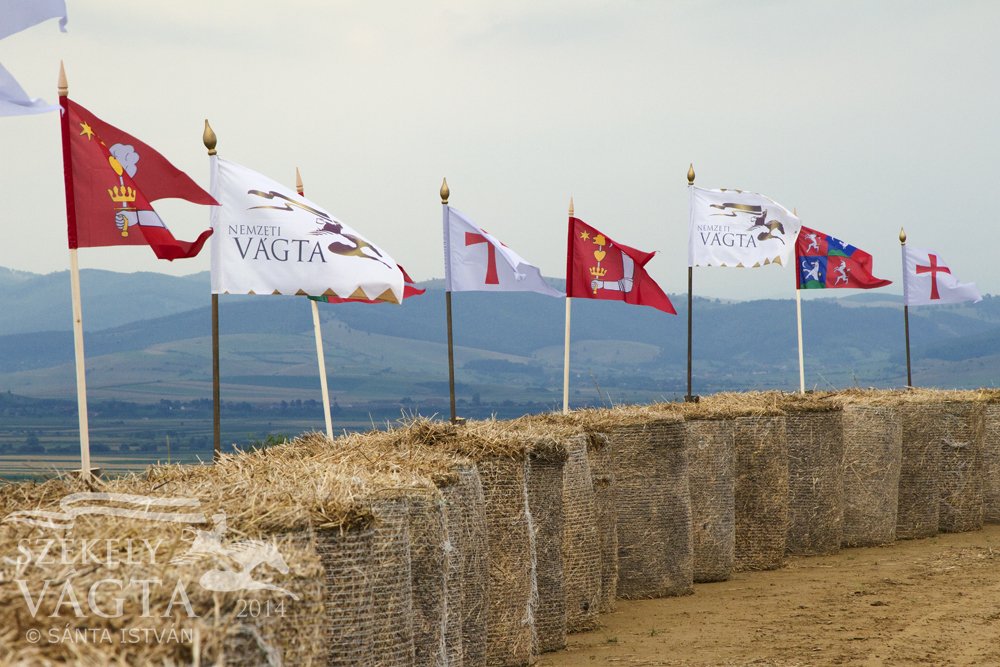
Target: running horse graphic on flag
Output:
[(770, 229)]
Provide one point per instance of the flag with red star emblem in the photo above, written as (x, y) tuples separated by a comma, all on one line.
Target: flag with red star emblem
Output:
[(111, 178), (599, 268)]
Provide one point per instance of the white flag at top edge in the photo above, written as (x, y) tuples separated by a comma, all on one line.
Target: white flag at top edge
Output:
[(928, 279), (15, 102), (16, 15), (267, 239), (476, 261), (737, 228)]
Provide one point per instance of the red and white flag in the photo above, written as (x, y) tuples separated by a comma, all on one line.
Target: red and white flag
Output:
[(928, 279), (111, 179), (476, 261), (599, 268)]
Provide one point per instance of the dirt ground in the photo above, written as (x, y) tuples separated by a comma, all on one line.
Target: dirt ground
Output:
[(934, 601)]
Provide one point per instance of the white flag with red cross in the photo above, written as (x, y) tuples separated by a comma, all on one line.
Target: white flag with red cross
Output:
[(475, 261), (928, 279)]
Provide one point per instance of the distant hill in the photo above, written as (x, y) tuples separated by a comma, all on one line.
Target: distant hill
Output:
[(148, 338)]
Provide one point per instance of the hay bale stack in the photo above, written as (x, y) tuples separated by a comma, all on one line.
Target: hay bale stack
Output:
[(392, 636), (962, 479), (653, 508), (815, 477), (873, 449), (350, 611), (919, 509), (428, 575), (510, 546), (581, 556), (475, 567), (760, 492), (600, 458), (458, 511), (711, 450), (545, 503), (991, 462)]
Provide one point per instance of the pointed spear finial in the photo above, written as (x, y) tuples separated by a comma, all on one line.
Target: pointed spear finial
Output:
[(63, 81), (298, 182), (691, 174), (209, 138), (445, 191), (571, 206), (902, 236)]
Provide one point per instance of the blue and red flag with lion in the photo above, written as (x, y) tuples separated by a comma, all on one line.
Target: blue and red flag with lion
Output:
[(823, 261)]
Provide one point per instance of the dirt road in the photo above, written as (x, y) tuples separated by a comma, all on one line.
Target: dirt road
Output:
[(919, 602)]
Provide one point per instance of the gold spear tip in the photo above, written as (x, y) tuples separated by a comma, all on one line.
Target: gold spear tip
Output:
[(209, 138), (445, 191), (298, 182), (691, 174), (902, 235), (571, 206), (63, 81)]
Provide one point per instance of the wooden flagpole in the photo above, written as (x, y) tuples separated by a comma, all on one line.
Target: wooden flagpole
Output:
[(74, 277), (209, 139), (318, 334), (445, 192), (798, 317), (690, 397), (906, 310), (566, 339)]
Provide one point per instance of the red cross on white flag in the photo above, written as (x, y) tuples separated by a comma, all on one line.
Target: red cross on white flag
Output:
[(928, 279), (476, 261)]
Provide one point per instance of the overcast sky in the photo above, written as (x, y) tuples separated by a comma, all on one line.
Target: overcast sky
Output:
[(864, 116)]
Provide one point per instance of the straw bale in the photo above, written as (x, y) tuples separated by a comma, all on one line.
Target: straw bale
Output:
[(873, 449), (457, 509), (510, 546), (581, 554), (653, 508), (545, 501), (761, 492), (475, 568), (962, 476), (711, 450), (346, 557), (991, 462), (918, 514), (392, 637), (815, 481), (600, 457), (428, 576)]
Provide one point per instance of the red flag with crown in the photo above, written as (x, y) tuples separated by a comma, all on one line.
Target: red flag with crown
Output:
[(599, 268), (112, 178)]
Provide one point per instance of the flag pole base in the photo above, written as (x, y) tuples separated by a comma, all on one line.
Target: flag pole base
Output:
[(95, 473), (689, 398), (458, 421)]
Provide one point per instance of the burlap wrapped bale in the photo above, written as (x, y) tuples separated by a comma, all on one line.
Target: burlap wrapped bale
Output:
[(429, 574), (991, 462), (510, 545), (873, 449), (392, 638), (545, 501), (761, 492), (918, 514), (475, 569), (600, 458), (961, 467), (350, 613), (711, 449), (653, 509), (815, 481), (581, 554)]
